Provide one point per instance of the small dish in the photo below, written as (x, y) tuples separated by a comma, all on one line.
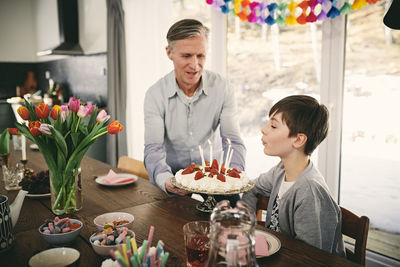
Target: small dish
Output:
[(34, 147), (101, 179), (61, 239), (55, 257), (274, 244), (110, 217), (105, 250)]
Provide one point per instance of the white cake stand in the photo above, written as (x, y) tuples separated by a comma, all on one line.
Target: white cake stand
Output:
[(209, 203)]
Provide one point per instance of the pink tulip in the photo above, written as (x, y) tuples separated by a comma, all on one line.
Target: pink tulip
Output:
[(82, 112), (45, 128), (74, 104), (64, 112), (90, 109), (102, 116)]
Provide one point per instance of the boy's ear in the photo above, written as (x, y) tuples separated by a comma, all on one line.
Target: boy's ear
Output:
[(300, 140)]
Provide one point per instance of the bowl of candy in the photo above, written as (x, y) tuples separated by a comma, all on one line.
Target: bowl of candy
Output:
[(60, 232), (113, 219), (110, 239)]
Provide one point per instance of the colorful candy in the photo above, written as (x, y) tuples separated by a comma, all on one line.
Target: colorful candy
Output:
[(111, 236), (58, 226), (131, 256)]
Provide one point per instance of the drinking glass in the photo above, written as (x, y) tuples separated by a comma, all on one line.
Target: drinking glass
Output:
[(12, 177), (197, 243)]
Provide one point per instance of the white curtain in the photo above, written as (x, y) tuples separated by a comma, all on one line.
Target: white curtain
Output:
[(146, 24)]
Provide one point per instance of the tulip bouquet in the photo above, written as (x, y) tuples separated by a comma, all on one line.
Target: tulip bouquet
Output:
[(63, 136)]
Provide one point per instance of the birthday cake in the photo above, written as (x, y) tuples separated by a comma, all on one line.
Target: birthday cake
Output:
[(211, 179)]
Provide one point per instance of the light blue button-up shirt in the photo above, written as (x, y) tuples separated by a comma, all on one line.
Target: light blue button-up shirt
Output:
[(176, 125)]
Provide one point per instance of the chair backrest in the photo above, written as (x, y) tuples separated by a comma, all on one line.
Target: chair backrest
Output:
[(357, 228), (352, 226), (134, 166), (262, 205)]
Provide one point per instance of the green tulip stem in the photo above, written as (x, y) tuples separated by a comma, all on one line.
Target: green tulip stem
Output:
[(98, 135), (77, 124)]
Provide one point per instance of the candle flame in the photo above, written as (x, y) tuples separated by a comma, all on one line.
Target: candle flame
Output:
[(209, 142), (229, 141)]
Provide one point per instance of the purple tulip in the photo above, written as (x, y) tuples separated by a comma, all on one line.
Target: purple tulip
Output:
[(64, 112), (45, 128), (102, 116), (74, 104)]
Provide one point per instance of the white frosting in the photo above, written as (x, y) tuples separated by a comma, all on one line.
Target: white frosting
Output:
[(211, 184)]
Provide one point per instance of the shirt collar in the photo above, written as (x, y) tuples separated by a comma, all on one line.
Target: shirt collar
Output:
[(174, 88)]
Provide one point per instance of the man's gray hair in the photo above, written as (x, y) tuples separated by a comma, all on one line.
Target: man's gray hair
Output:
[(184, 29)]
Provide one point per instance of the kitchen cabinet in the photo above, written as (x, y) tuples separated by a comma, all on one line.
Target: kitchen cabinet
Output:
[(27, 27)]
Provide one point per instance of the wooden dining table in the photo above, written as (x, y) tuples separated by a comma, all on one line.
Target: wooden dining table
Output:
[(149, 205)]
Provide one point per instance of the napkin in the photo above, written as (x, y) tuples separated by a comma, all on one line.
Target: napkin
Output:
[(261, 247), (113, 178)]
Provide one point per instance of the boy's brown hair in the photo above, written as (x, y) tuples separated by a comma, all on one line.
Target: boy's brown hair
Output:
[(303, 114)]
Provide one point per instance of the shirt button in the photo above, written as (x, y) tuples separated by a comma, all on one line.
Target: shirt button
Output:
[(192, 149), (190, 133)]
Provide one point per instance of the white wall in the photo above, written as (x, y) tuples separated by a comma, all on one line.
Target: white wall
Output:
[(17, 31)]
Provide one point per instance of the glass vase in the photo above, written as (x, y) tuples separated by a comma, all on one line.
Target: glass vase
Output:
[(66, 192)]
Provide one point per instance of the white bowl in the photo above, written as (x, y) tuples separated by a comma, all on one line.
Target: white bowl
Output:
[(61, 239), (105, 250), (55, 257), (101, 220)]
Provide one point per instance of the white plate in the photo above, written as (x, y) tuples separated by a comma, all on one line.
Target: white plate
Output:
[(274, 244), (100, 179), (38, 195), (34, 147), (55, 257)]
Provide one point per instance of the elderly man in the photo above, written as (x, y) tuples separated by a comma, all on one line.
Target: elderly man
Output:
[(186, 108)]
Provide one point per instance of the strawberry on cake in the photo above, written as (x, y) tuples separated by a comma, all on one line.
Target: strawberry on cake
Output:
[(211, 179)]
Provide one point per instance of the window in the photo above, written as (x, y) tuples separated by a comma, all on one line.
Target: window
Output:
[(370, 176), (266, 64)]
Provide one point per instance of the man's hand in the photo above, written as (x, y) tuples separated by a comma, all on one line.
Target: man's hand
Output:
[(173, 189)]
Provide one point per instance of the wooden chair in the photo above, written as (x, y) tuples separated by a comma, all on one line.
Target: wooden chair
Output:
[(262, 205), (134, 166), (357, 228), (353, 226)]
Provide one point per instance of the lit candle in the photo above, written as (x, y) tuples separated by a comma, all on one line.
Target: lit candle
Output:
[(221, 158), (203, 163), (228, 152), (211, 158), (229, 160), (23, 147)]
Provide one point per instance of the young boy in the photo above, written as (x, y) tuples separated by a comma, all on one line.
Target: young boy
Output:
[(300, 204)]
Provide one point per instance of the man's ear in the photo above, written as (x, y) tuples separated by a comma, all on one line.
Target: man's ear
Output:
[(300, 140), (169, 52)]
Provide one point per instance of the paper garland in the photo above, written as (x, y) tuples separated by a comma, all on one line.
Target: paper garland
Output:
[(287, 13)]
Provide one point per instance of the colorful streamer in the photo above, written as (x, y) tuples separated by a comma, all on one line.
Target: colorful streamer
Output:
[(287, 13)]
